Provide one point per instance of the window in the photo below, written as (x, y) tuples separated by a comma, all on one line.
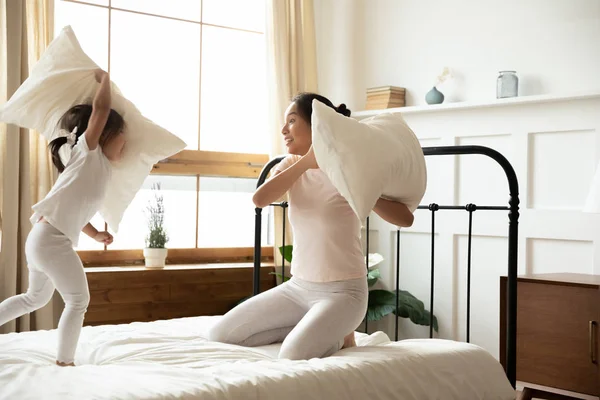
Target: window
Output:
[(196, 67)]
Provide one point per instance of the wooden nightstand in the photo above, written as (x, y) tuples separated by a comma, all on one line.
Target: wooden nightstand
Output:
[(558, 336)]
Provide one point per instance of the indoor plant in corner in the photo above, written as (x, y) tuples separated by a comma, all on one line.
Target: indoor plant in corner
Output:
[(155, 252)]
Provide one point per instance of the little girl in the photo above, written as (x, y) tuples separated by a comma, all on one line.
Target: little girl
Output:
[(95, 138)]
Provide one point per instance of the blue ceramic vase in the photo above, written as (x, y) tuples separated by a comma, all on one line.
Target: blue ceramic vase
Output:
[(434, 96)]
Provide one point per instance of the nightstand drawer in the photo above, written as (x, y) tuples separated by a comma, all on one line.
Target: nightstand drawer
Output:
[(555, 333)]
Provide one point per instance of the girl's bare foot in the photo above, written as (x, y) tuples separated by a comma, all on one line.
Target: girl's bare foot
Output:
[(61, 364), (349, 341)]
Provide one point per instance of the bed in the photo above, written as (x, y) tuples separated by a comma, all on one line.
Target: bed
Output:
[(171, 359)]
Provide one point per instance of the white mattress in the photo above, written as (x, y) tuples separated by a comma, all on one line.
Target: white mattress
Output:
[(170, 359)]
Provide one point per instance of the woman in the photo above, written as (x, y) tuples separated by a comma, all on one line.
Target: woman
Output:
[(327, 296)]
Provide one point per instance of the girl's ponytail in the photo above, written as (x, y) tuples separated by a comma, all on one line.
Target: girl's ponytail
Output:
[(55, 146)]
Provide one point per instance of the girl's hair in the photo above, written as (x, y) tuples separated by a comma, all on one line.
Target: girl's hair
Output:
[(79, 116), (304, 104)]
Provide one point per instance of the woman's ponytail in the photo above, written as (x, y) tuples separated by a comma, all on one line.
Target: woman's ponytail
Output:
[(304, 101), (342, 109)]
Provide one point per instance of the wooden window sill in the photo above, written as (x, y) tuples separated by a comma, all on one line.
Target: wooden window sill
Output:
[(198, 256), (173, 267)]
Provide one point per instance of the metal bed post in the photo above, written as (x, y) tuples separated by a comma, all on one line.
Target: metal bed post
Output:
[(433, 208), (471, 209), (284, 206), (258, 227), (513, 244), (367, 264), (397, 281), (257, 250)]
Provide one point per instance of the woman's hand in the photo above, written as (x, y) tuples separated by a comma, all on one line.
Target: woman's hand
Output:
[(104, 237), (274, 188), (394, 212)]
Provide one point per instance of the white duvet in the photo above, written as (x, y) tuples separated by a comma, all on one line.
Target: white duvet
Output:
[(171, 360)]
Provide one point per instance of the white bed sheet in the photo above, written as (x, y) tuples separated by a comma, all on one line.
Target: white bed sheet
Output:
[(170, 359)]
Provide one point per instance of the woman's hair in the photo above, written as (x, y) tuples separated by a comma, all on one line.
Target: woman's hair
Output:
[(79, 116), (304, 105)]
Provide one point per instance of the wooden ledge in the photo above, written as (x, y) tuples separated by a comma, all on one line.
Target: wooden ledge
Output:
[(197, 256), (173, 267)]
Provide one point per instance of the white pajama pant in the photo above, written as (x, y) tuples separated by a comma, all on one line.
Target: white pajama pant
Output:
[(52, 264), (310, 318)]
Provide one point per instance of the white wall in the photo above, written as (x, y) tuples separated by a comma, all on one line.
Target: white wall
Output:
[(340, 27), (552, 44)]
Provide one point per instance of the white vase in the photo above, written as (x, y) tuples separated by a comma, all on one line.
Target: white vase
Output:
[(155, 258)]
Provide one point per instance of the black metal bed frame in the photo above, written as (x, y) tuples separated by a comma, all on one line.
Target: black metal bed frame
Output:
[(513, 220)]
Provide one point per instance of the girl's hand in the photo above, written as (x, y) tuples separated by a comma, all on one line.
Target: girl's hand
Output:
[(310, 160), (104, 237), (99, 74)]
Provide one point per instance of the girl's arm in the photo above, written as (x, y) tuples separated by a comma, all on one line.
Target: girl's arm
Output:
[(278, 185), (394, 212), (103, 237), (113, 150), (100, 110)]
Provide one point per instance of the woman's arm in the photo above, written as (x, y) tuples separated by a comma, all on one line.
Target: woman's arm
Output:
[(278, 185), (394, 212), (100, 110)]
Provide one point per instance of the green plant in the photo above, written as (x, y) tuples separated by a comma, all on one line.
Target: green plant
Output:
[(157, 236), (383, 302)]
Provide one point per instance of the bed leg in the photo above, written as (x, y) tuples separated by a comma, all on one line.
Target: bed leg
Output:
[(529, 394), (526, 394)]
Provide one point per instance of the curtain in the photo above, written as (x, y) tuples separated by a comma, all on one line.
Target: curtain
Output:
[(26, 171), (291, 68), (3, 98)]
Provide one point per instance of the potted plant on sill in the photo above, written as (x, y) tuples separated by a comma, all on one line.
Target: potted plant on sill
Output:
[(155, 252)]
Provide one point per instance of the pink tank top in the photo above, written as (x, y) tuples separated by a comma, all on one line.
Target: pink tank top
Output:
[(327, 244)]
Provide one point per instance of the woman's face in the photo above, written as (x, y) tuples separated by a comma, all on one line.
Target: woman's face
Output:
[(296, 132)]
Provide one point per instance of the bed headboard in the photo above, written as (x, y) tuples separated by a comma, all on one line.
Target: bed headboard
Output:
[(513, 221)]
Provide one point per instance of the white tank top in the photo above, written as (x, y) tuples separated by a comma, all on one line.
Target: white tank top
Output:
[(327, 245), (78, 192)]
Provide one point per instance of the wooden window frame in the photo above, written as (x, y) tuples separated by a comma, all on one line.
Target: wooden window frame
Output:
[(212, 163)]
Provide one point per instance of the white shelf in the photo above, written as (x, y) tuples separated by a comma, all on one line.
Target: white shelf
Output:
[(482, 104)]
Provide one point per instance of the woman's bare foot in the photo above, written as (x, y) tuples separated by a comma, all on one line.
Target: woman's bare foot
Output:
[(349, 341), (61, 364)]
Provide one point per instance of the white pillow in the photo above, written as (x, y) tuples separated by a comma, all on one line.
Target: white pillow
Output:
[(62, 78), (376, 157)]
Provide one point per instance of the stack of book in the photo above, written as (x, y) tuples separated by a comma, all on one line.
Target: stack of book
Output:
[(385, 97)]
